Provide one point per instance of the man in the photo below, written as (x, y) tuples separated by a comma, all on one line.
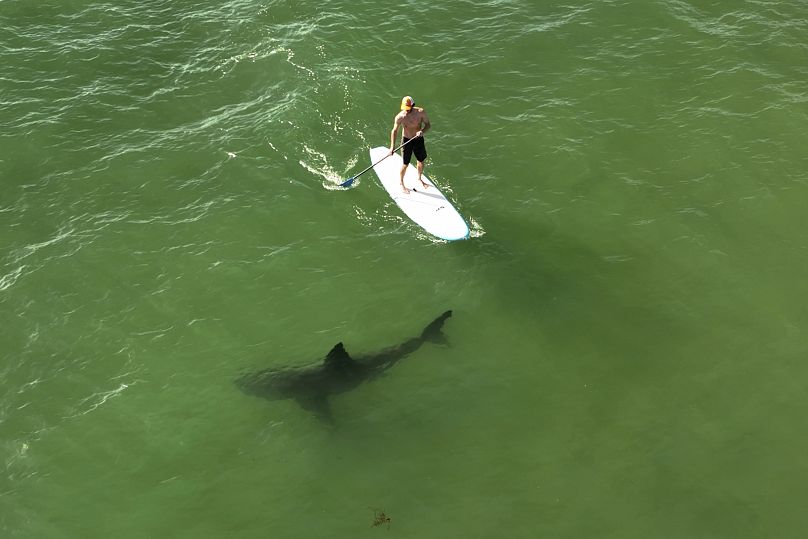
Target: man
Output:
[(415, 123)]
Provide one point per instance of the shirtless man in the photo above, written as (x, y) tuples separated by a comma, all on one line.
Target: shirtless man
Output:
[(415, 123)]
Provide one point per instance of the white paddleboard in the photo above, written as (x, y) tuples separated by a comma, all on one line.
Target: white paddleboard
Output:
[(427, 207)]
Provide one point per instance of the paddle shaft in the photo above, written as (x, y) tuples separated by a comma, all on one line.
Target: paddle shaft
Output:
[(352, 178)]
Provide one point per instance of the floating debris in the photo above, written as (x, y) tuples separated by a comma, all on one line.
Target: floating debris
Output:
[(379, 518)]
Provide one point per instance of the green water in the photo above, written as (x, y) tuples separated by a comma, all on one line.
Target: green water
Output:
[(627, 352)]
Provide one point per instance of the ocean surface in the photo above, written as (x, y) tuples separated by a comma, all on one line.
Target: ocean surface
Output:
[(627, 355)]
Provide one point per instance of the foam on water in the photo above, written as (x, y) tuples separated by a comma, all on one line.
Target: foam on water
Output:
[(317, 163)]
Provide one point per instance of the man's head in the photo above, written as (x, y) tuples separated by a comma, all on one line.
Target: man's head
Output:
[(407, 103)]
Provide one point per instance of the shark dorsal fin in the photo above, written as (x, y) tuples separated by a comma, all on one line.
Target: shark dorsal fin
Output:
[(338, 356)]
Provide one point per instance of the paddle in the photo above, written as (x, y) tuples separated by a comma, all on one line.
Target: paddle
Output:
[(350, 180)]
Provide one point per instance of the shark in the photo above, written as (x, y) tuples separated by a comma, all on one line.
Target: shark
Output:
[(312, 386)]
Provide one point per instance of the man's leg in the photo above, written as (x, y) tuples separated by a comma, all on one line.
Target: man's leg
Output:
[(420, 172), (403, 171)]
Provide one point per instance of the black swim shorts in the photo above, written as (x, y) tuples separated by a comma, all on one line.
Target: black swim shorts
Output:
[(416, 147)]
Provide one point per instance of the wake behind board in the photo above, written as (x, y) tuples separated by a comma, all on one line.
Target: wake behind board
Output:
[(428, 208)]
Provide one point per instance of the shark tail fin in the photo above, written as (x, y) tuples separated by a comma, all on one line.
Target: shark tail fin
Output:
[(433, 332)]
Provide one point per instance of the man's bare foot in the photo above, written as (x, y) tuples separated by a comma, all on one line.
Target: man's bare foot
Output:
[(426, 185), (406, 191)]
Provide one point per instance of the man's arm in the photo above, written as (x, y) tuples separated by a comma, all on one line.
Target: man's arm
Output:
[(394, 133), (424, 123)]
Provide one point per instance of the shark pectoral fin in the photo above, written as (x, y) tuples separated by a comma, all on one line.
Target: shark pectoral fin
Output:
[(319, 406), (338, 355)]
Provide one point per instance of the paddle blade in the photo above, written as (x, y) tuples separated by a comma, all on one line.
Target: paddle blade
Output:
[(348, 182)]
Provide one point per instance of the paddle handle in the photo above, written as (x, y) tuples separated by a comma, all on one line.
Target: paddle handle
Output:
[(352, 178)]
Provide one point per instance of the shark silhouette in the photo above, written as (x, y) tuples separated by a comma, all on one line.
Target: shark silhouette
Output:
[(311, 386)]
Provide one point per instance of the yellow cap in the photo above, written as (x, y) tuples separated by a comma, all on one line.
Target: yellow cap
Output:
[(407, 103)]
